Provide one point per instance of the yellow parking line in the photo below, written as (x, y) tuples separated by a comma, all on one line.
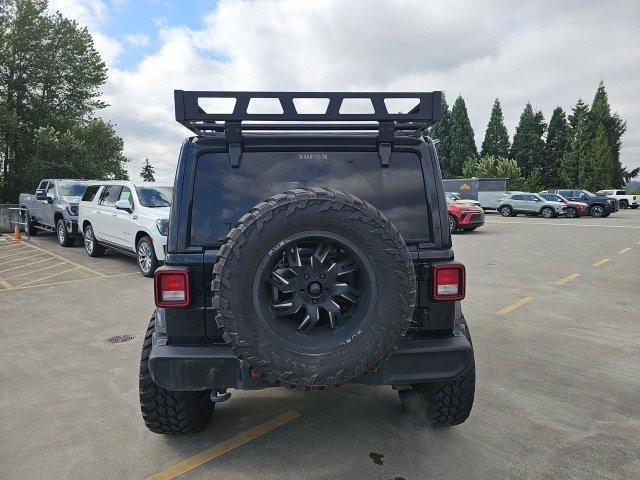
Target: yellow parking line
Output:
[(71, 281), (226, 446), (564, 280), (624, 250), (6, 285), (48, 276), (77, 265), (26, 265), (21, 258), (25, 247), (601, 262), (513, 306), (36, 270)]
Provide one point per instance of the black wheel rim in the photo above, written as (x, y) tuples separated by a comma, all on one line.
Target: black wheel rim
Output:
[(315, 292)]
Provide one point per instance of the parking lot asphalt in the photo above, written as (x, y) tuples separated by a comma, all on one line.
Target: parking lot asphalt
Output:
[(553, 308)]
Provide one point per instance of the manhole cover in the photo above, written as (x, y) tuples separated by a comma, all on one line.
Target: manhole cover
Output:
[(120, 338)]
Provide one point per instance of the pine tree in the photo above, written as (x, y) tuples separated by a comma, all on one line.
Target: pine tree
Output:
[(147, 171), (614, 128), (441, 132), (574, 160), (496, 138), (556, 146), (463, 144), (528, 146), (601, 162)]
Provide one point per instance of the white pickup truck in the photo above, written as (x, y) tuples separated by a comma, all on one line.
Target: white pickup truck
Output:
[(625, 201)]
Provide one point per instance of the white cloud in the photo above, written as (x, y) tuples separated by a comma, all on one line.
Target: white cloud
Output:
[(549, 53), (137, 39)]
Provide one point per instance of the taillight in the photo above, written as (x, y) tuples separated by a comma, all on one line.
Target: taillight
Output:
[(448, 281), (171, 287)]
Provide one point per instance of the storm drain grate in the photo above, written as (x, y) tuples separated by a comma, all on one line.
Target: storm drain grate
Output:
[(120, 338)]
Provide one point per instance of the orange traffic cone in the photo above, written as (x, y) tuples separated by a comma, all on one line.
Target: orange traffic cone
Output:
[(16, 233)]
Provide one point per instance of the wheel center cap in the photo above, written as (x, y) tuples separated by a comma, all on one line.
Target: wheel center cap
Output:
[(315, 289)]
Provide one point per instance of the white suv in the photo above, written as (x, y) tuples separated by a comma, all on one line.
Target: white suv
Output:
[(131, 218)]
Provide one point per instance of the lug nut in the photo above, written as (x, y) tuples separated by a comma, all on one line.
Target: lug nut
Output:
[(323, 276), (315, 300)]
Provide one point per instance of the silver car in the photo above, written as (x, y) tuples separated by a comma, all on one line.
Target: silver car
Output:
[(530, 204)]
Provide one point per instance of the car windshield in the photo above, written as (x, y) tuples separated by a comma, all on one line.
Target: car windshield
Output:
[(155, 196), (454, 196), (540, 198), (68, 189), (588, 193)]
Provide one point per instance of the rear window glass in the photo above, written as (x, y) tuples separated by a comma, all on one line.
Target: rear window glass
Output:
[(223, 194), (90, 193), (71, 189)]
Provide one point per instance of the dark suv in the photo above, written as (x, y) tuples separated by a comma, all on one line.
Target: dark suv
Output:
[(598, 206), (309, 255)]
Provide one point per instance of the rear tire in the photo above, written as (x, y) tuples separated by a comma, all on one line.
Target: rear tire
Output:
[(506, 211), (91, 245), (453, 224), (62, 235), (167, 412), (29, 229)]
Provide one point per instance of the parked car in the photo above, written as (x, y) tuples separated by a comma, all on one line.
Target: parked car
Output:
[(529, 204), (54, 207), (281, 269), (131, 218), (456, 198), (487, 191), (598, 206), (624, 200), (463, 216), (574, 209)]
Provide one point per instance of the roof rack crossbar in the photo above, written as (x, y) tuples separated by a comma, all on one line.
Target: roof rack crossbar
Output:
[(189, 112)]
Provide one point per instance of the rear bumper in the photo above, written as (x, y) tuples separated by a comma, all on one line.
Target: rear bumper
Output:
[(215, 367)]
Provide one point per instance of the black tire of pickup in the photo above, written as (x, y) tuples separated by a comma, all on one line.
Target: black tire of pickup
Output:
[(167, 412), (62, 235), (441, 404), (258, 234), (29, 229)]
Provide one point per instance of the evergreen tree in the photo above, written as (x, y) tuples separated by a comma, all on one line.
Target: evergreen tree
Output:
[(528, 146), (601, 162), (614, 128), (573, 168), (496, 138), (441, 132), (556, 146), (463, 144), (147, 171)]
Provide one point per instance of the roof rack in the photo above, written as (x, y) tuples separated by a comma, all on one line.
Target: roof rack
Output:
[(189, 113)]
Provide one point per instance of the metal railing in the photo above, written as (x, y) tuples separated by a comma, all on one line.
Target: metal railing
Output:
[(18, 216)]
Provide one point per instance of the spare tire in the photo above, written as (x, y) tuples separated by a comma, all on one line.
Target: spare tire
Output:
[(313, 288)]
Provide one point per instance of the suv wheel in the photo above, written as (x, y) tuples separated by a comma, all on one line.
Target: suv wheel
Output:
[(313, 288), (506, 211), (453, 224), (441, 404), (146, 255), (597, 211), (572, 212), (61, 232), (547, 212), (169, 412), (91, 245)]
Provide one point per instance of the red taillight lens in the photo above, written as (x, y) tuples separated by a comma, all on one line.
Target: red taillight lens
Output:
[(172, 288), (448, 281)]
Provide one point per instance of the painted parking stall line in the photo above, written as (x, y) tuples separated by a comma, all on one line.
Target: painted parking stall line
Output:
[(226, 446), (516, 305), (624, 250), (599, 263), (567, 279)]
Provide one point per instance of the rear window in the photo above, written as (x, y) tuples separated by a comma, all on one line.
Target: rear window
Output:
[(90, 193), (223, 194)]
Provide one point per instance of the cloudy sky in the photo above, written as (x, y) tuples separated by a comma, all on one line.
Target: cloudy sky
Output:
[(547, 52)]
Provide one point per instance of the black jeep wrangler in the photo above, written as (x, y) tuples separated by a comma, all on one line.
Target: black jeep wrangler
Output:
[(307, 250)]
